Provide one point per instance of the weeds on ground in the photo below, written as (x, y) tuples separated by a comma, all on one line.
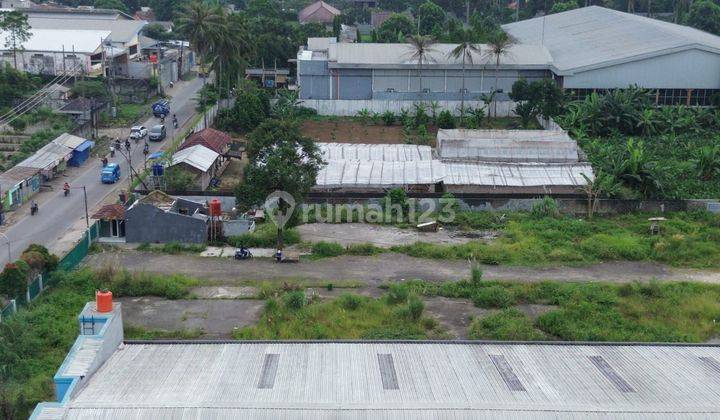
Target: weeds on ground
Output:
[(661, 312), (123, 283), (136, 332), (265, 236), (292, 316)]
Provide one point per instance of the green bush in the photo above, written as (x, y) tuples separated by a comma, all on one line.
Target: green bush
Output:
[(415, 307), (388, 118), (509, 324), (178, 248), (295, 300), (123, 283), (492, 297), (475, 274), (397, 293), (548, 207), (446, 120), (327, 249), (350, 301), (616, 247)]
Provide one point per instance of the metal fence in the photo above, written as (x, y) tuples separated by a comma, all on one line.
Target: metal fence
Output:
[(42, 281)]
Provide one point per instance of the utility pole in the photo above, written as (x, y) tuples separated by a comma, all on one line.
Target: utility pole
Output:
[(87, 218)]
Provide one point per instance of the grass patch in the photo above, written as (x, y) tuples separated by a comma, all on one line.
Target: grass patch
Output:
[(687, 239), (510, 324), (661, 312), (172, 248), (349, 317), (123, 283), (265, 236), (135, 332)]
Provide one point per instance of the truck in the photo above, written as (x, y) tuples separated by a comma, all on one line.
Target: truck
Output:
[(161, 108), (110, 173)]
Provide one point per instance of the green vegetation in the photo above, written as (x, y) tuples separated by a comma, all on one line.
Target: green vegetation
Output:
[(509, 324), (173, 248), (667, 152), (134, 332), (660, 312), (348, 317), (123, 283), (265, 236), (544, 237)]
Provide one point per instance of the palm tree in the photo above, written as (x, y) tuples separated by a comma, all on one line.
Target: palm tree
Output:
[(499, 44), (421, 47), (202, 25), (465, 49), (228, 51)]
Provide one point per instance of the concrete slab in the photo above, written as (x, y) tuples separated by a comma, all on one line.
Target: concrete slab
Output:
[(212, 251)]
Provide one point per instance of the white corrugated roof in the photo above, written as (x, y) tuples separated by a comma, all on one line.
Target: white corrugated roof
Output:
[(47, 157), (81, 40), (84, 357), (592, 37), (68, 140), (394, 380), (364, 54), (197, 156), (387, 152), (379, 173), (120, 30), (516, 175), (507, 145)]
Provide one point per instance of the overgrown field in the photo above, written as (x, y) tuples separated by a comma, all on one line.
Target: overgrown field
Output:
[(398, 315), (649, 312), (687, 239)]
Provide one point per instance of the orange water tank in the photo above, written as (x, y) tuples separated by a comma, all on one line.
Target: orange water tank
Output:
[(215, 209), (103, 301)]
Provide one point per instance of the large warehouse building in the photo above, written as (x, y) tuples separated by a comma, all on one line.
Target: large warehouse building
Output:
[(587, 49), (104, 377), (594, 48)]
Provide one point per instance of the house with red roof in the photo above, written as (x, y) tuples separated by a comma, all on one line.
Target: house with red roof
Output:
[(320, 12)]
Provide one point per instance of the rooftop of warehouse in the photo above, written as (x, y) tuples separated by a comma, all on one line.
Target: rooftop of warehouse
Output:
[(150, 380), (594, 37), (392, 55)]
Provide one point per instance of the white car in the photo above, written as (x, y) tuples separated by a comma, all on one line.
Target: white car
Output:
[(138, 132)]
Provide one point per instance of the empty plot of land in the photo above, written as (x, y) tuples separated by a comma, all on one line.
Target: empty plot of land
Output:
[(346, 131), (215, 317), (380, 268), (381, 236)]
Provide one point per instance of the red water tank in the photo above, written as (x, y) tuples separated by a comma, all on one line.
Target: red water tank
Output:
[(215, 209), (103, 301)]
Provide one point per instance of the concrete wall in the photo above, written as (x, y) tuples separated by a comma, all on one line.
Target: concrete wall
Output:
[(147, 223), (351, 107), (48, 63), (683, 70)]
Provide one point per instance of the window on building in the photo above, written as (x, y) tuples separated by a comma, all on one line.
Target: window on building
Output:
[(390, 90), (132, 50)]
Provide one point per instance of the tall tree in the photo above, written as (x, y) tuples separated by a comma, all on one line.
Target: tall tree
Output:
[(465, 49), (281, 159), (111, 4), (499, 45), (397, 26), (229, 51), (202, 25), (421, 48), (429, 14), (15, 23), (705, 15)]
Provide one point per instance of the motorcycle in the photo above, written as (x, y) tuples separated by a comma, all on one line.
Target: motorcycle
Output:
[(33, 209), (243, 254)]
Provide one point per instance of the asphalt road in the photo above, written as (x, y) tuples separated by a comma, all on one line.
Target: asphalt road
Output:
[(58, 214)]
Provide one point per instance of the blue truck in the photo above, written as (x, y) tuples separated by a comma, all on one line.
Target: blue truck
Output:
[(161, 108), (110, 173)]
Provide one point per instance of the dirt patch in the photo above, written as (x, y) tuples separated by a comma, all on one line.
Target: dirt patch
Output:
[(233, 173), (348, 131), (216, 318), (225, 292), (378, 235), (380, 268), (455, 315)]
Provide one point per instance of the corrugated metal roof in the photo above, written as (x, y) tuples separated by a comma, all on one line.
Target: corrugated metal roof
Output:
[(197, 156), (119, 30), (368, 54), (379, 173), (47, 157), (82, 40), (16, 175), (592, 37), (83, 358), (507, 146), (377, 152), (516, 175), (68, 140), (330, 380)]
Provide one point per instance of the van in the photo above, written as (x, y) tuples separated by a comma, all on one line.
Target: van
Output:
[(110, 173)]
